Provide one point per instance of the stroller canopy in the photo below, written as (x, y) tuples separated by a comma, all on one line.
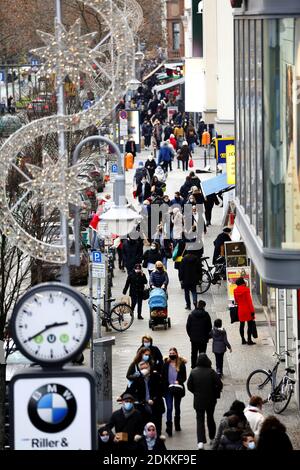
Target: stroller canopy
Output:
[(157, 298)]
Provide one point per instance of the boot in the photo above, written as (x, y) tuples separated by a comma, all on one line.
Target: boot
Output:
[(244, 341), (169, 428), (177, 423)]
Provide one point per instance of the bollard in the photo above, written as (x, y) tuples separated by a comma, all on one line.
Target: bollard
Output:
[(103, 371)]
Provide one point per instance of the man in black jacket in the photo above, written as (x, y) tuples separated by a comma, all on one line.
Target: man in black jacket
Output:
[(206, 386), (189, 274), (198, 327)]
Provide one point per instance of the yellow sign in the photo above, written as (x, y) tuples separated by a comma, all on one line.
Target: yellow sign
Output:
[(230, 164)]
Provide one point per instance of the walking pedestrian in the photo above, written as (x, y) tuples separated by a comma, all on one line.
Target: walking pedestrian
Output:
[(189, 272), (150, 166), (132, 253), (242, 297), (209, 203), (236, 409), (219, 344), (146, 133), (184, 155), (150, 441), (273, 437), (159, 277), (173, 378), (143, 190), (106, 443), (130, 146), (198, 327), (156, 355), (151, 256), (206, 386), (142, 355), (136, 282), (254, 415)]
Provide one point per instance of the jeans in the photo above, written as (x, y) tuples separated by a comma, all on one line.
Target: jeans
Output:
[(219, 362), (210, 423), (197, 347), (249, 331), (147, 140), (137, 299), (187, 291), (169, 404)]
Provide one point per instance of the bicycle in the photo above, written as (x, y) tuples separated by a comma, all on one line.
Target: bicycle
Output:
[(263, 383), (211, 275), (119, 317)]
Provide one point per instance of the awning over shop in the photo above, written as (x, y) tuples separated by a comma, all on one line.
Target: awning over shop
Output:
[(216, 184), (153, 72), (165, 86)]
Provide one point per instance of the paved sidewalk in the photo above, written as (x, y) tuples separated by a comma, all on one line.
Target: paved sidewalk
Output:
[(237, 365)]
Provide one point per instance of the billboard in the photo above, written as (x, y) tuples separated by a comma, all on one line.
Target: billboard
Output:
[(233, 274), (194, 85), (221, 145)]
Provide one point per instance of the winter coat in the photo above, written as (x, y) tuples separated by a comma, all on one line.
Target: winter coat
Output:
[(150, 165), (173, 142), (140, 173), (156, 356), (196, 181), (205, 384), (151, 256), (158, 278), (219, 242), (198, 326), (138, 390), (243, 425), (132, 253), (274, 440), (231, 439), (185, 188), (255, 418), (179, 202), (220, 341), (135, 282), (181, 374), (177, 220), (132, 424), (142, 448), (242, 297), (178, 132), (189, 271), (167, 132), (165, 154), (185, 153), (130, 147), (146, 130)]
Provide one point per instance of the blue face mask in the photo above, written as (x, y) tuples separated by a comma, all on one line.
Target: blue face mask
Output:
[(146, 345), (251, 445), (146, 357), (128, 406)]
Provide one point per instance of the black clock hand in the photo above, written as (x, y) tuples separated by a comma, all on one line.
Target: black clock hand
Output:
[(47, 327)]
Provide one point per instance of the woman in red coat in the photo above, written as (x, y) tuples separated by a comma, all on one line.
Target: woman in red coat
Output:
[(242, 297)]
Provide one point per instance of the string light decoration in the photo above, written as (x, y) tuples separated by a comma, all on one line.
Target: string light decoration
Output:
[(114, 70), (66, 53), (48, 188)]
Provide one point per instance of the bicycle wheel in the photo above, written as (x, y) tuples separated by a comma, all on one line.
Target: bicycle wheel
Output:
[(282, 398), (121, 317), (204, 283), (259, 383)]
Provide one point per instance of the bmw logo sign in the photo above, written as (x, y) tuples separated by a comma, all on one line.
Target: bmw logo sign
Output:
[(52, 408)]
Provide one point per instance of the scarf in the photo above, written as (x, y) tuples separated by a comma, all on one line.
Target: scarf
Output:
[(150, 441)]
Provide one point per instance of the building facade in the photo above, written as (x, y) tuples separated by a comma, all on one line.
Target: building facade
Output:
[(267, 130), (175, 31)]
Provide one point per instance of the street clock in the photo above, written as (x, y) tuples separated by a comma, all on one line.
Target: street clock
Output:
[(51, 324)]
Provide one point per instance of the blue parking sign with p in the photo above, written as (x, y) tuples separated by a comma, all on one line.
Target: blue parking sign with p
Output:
[(114, 168), (97, 256)]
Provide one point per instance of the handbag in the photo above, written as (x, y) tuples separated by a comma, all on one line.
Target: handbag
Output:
[(146, 293), (233, 310), (175, 251), (254, 330), (177, 390), (191, 163)]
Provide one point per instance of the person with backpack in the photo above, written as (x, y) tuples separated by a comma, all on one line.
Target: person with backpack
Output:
[(219, 344)]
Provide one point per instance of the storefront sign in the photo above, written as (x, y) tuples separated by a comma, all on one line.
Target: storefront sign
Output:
[(171, 110), (236, 254), (233, 274), (230, 164), (221, 145)]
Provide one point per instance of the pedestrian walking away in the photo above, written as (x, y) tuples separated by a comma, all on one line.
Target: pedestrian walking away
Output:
[(198, 327), (219, 344), (173, 378), (189, 272), (206, 386), (242, 297), (136, 282)]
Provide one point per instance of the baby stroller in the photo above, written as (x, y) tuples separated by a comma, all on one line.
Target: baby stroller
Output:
[(158, 305)]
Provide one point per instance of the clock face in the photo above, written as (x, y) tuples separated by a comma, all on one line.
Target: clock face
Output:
[(51, 324)]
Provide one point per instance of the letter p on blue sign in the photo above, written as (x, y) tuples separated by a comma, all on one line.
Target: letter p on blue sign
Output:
[(97, 258)]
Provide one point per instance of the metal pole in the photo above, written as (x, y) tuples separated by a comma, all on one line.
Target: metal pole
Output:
[(65, 272), (98, 321), (91, 305)]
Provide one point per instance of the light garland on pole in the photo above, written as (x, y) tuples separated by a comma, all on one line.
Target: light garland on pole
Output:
[(114, 73)]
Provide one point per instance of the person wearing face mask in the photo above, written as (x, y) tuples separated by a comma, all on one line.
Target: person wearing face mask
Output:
[(248, 441), (127, 422), (150, 166), (143, 190), (151, 256), (156, 355), (106, 444), (150, 441), (159, 277), (143, 354), (173, 373), (147, 389), (136, 282)]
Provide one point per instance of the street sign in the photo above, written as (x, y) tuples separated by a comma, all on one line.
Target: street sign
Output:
[(98, 270), (2, 76), (97, 257), (113, 172), (221, 145), (53, 410), (123, 114)]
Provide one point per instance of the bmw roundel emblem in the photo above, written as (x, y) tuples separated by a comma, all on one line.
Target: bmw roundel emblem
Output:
[(52, 408)]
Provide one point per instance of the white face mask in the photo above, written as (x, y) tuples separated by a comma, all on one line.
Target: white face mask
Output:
[(145, 372), (104, 438), (251, 445)]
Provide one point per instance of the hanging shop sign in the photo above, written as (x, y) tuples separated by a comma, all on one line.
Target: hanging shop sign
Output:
[(221, 145), (230, 164)]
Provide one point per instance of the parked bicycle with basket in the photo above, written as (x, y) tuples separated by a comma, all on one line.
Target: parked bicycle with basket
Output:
[(264, 383)]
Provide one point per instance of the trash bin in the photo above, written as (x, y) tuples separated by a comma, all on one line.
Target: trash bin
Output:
[(128, 161)]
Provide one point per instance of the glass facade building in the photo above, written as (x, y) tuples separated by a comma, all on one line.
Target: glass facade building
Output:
[(267, 119)]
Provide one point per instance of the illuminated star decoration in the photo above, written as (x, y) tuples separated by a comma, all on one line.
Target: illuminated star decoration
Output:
[(50, 189), (71, 57)]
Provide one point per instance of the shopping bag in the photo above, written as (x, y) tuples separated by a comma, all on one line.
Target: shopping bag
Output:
[(146, 293), (175, 252), (191, 163), (233, 310), (254, 329)]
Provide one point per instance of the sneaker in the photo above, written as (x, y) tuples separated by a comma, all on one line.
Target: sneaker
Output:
[(200, 445)]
